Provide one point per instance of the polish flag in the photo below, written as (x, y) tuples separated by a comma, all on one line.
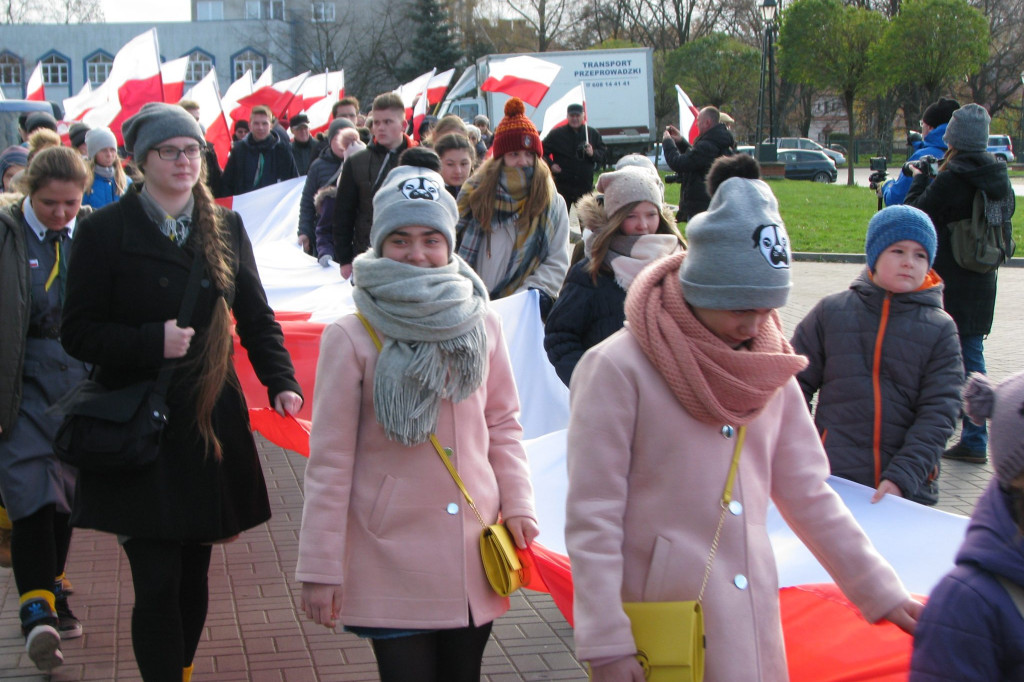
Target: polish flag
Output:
[(74, 107), (687, 116), (3, 97), (206, 93), (236, 91), (134, 80), (419, 112), (173, 75), (34, 90), (413, 89), (438, 85), (525, 77), (555, 114), (285, 104), (315, 88), (319, 112), (242, 109)]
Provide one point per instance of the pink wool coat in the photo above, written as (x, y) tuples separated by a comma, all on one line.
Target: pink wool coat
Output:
[(386, 521), (645, 484)]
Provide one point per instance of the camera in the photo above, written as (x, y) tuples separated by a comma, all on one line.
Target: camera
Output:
[(674, 177), (913, 137), (879, 166), (929, 165)]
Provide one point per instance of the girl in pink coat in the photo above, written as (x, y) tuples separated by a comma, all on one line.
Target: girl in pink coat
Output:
[(656, 410), (388, 545)]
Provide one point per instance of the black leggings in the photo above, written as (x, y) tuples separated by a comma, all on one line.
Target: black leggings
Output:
[(171, 596), (440, 656), (39, 548)]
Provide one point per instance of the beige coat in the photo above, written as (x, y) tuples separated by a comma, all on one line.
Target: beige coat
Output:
[(386, 521), (645, 481)]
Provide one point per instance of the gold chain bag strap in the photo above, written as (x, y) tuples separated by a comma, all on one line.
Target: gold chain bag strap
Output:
[(505, 570), (669, 635)]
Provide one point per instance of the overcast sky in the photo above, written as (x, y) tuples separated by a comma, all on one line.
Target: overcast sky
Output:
[(145, 10)]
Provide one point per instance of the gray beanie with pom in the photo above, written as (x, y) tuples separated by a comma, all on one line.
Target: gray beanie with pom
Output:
[(1003, 406)]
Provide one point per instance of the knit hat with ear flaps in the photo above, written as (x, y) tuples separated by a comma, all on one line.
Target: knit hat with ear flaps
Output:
[(738, 251), (413, 196), (1003, 406), (967, 130), (155, 123), (629, 185), (939, 112), (894, 224), (516, 132)]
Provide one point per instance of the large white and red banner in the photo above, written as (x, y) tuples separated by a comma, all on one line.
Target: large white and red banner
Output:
[(525, 77), (826, 638)]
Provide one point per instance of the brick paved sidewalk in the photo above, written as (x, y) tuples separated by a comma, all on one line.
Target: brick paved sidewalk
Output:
[(254, 631)]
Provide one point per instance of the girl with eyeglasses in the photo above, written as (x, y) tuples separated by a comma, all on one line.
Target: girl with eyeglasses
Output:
[(132, 261)]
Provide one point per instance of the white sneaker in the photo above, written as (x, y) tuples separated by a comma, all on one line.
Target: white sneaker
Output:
[(43, 647)]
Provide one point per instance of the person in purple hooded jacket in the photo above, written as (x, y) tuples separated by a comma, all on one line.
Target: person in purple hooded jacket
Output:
[(973, 625)]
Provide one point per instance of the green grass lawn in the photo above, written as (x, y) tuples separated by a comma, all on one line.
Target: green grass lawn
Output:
[(825, 218)]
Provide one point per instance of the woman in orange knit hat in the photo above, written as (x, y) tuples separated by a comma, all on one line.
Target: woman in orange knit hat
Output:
[(513, 226)]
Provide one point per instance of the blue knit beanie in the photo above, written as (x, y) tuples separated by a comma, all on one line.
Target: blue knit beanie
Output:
[(894, 224)]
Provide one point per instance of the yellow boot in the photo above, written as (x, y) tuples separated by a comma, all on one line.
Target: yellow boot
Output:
[(186, 673)]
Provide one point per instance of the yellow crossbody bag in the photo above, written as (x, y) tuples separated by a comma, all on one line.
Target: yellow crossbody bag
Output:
[(505, 570), (669, 635)]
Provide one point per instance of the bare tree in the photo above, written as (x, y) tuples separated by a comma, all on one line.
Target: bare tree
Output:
[(549, 19), (52, 12), (997, 84)]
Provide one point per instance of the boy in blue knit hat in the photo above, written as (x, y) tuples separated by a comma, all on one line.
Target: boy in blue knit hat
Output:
[(885, 363)]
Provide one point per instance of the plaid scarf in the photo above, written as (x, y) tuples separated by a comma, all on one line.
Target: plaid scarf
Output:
[(532, 241)]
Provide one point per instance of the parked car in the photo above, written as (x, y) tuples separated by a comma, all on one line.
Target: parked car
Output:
[(745, 149), (808, 164), (807, 143), (1001, 146)]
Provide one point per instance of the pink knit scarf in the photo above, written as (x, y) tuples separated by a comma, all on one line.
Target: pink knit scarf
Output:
[(713, 382)]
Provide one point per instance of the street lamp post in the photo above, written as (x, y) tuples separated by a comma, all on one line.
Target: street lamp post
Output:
[(767, 85)]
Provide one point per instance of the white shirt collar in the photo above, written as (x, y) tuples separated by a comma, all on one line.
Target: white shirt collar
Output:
[(38, 228)]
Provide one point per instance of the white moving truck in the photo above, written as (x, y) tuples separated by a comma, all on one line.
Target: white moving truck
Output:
[(619, 87)]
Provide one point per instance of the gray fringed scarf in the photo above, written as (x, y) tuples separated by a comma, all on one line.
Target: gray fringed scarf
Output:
[(435, 346)]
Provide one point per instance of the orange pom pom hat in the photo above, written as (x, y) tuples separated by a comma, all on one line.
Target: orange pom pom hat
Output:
[(516, 132)]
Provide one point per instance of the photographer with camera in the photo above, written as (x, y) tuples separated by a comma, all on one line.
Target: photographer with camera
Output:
[(574, 151), (693, 162), (933, 127)]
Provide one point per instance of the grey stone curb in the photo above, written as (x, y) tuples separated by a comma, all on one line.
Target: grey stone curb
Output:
[(813, 257)]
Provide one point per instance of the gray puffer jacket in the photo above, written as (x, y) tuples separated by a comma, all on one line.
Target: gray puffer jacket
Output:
[(900, 434)]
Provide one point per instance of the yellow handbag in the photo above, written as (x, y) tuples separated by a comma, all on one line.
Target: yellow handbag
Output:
[(504, 569), (669, 635)]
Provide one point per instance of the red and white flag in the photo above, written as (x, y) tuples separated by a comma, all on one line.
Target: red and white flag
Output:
[(413, 89), (134, 80), (236, 91), (438, 85), (34, 89), (173, 75), (74, 106), (525, 77), (555, 115), (241, 110), (319, 112), (687, 116), (206, 93), (419, 112), (285, 105)]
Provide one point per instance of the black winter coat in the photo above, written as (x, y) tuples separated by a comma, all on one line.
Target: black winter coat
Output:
[(585, 314), (126, 278), (321, 170), (243, 165), (969, 297), (564, 146), (693, 164)]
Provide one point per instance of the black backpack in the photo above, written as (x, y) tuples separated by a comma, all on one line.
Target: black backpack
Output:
[(984, 241)]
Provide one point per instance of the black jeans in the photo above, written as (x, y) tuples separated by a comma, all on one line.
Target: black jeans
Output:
[(441, 656), (171, 597), (39, 548)]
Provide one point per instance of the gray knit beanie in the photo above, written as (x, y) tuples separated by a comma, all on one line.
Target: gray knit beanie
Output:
[(98, 139), (413, 196), (338, 124), (1003, 406), (629, 185), (738, 251), (894, 224), (155, 123), (967, 130)]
